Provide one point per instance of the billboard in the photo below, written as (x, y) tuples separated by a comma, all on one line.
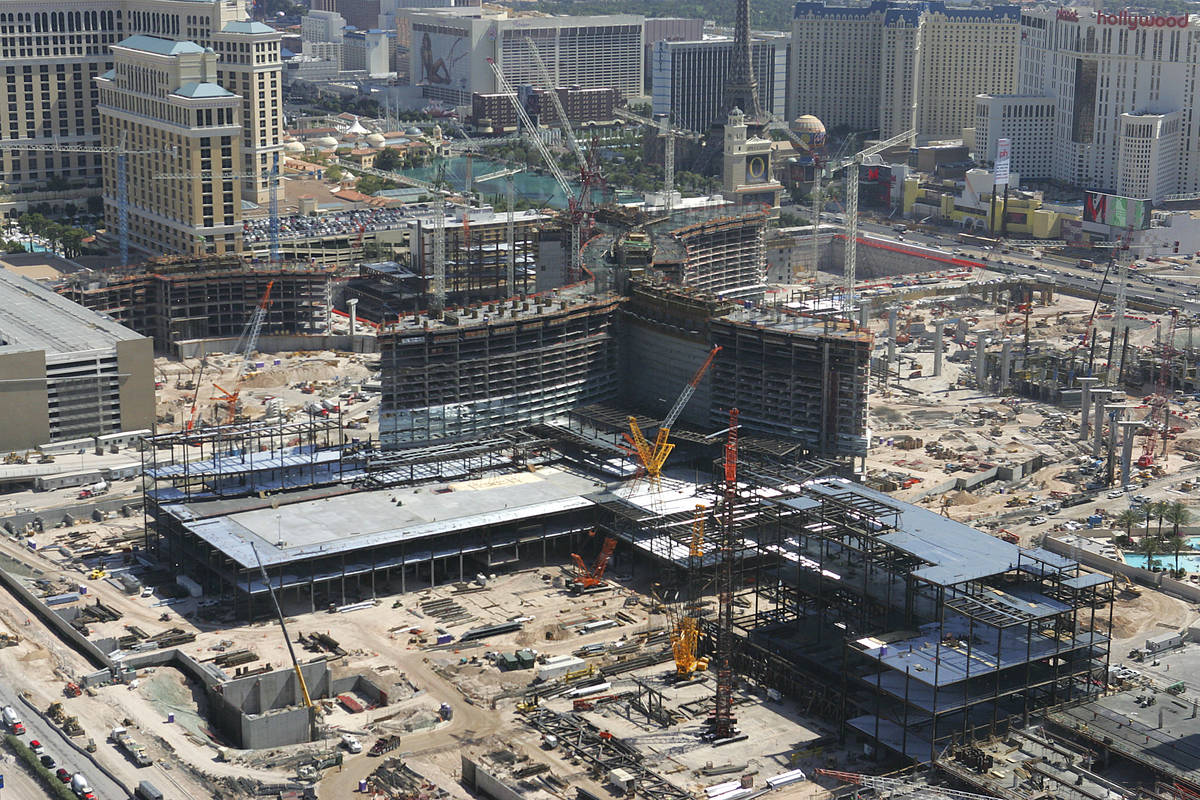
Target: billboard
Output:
[(444, 59), (1116, 211), (1003, 158), (875, 185)]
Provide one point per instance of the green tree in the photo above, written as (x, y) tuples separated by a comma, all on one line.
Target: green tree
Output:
[(1149, 546), (53, 233), (1175, 544), (1178, 515), (1159, 509), (334, 174), (388, 160), (72, 241), (1127, 519)]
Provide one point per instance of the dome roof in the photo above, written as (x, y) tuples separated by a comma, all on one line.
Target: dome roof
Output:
[(375, 139), (413, 130), (325, 141), (293, 147), (807, 123)]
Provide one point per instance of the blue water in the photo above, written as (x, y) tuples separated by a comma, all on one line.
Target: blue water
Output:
[(1191, 563), (541, 189)]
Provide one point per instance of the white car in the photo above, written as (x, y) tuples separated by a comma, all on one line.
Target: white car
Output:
[(1114, 494), (1038, 520)]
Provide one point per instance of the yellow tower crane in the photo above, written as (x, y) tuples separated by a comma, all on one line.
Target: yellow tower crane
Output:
[(652, 457)]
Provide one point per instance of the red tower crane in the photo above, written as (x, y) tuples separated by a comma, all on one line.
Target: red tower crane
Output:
[(722, 719)]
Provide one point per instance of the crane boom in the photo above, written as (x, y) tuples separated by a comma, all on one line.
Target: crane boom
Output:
[(558, 106), (308, 703), (690, 389)]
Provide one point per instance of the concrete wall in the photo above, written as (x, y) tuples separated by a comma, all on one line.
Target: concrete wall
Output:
[(135, 364), (478, 778), (23, 398), (71, 636), (664, 359), (261, 711), (361, 343)]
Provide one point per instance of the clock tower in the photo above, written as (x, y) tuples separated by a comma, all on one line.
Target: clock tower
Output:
[(747, 172)]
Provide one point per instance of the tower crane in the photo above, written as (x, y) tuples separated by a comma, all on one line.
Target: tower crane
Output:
[(851, 164), (191, 422), (510, 226), (900, 786), (273, 208), (589, 175), (722, 718), (122, 153), (575, 216), (668, 134), (1158, 420), (654, 456), (245, 346)]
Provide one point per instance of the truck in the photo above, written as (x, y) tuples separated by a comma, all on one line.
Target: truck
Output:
[(79, 785), (95, 490), (134, 750), (147, 791), (12, 720), (351, 743)]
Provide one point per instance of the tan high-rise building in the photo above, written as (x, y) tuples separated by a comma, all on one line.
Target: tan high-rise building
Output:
[(161, 98), (51, 53), (858, 67)]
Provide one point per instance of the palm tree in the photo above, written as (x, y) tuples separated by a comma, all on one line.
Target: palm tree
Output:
[(1176, 544), (1177, 514), (1127, 519), (1149, 546), (1159, 509)]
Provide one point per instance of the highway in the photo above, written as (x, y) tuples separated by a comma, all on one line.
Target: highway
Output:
[(1179, 290), (61, 747)]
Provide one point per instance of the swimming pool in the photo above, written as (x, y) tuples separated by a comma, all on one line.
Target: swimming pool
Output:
[(1189, 562)]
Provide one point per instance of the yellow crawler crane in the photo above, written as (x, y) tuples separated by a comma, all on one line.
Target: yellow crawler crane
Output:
[(653, 457)]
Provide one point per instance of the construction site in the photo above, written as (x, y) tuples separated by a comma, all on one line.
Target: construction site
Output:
[(583, 507)]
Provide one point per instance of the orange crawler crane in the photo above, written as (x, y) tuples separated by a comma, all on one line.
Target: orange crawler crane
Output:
[(592, 580)]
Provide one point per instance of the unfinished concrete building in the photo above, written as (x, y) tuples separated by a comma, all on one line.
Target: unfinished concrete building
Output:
[(495, 367), (721, 250), (173, 300)]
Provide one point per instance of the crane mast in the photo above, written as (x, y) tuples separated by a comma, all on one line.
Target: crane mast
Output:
[(576, 216)]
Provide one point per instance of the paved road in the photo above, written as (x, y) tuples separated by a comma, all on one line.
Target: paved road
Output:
[(1166, 290), (61, 747)]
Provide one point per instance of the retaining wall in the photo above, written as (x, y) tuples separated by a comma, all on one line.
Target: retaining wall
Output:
[(477, 778), (359, 343)]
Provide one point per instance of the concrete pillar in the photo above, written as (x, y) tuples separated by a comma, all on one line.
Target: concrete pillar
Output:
[(1100, 398), (1005, 363), (937, 347), (1085, 404), (981, 361), (1112, 411), (352, 307), (961, 332), (864, 315), (1128, 428), (892, 322)]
